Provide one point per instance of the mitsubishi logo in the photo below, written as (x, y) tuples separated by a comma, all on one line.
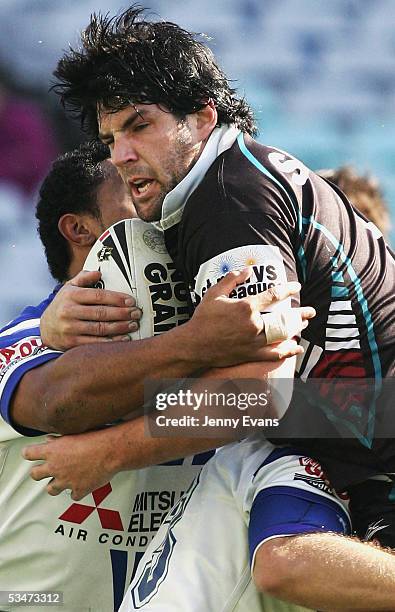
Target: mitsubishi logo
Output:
[(109, 519)]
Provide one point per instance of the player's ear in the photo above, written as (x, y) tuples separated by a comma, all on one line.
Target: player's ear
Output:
[(78, 229), (206, 120)]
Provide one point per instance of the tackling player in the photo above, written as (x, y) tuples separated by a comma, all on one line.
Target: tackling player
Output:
[(277, 470), (186, 151), (90, 550)]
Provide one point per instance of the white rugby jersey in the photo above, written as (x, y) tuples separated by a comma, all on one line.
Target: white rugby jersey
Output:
[(90, 549), (248, 493)]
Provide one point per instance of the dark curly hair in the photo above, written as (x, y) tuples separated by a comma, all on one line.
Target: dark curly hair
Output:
[(127, 60), (70, 187)]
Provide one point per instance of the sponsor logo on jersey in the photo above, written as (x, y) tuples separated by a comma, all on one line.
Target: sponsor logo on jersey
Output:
[(11, 355), (154, 572), (316, 477), (78, 513), (148, 511), (267, 269), (317, 483), (19, 350)]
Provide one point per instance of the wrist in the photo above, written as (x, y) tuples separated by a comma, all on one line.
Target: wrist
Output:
[(190, 347), (43, 332), (110, 446)]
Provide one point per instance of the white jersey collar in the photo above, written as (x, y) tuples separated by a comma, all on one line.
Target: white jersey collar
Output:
[(221, 139)]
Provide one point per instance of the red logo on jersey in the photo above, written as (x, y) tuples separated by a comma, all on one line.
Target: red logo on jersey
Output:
[(109, 519), (19, 350), (313, 468)]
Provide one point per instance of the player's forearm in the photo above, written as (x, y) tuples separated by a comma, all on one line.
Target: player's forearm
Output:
[(130, 447), (111, 385), (327, 572), (85, 462), (87, 387)]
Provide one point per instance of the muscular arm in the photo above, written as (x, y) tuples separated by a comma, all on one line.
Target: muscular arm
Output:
[(328, 572), (84, 462), (86, 388), (92, 385)]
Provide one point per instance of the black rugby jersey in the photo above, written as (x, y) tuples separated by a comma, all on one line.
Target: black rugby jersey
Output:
[(259, 206)]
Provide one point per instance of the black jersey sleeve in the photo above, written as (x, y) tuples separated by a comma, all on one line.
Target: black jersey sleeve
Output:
[(238, 217)]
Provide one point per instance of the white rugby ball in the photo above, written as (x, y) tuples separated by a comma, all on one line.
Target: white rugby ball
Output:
[(132, 257)]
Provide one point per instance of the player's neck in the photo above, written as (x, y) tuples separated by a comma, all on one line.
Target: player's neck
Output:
[(77, 261)]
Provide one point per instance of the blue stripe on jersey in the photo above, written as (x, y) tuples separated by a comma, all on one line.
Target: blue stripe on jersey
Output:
[(119, 565), (202, 458), (173, 462), (278, 453), (11, 339), (356, 281), (10, 387), (301, 254), (339, 292), (29, 313), (280, 511)]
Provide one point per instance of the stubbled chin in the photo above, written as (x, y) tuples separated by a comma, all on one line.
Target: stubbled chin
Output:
[(148, 213)]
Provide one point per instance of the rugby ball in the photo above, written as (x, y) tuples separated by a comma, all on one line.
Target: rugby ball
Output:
[(132, 257)]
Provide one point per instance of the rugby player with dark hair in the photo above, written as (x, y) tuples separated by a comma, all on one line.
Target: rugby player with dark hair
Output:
[(79, 184), (61, 546), (182, 141), (46, 546)]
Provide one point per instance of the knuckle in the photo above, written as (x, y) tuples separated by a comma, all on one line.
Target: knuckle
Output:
[(100, 328), (70, 292), (62, 311), (66, 327), (246, 307), (273, 294), (99, 295), (100, 313)]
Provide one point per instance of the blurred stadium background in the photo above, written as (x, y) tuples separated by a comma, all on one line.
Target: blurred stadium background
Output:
[(320, 75)]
